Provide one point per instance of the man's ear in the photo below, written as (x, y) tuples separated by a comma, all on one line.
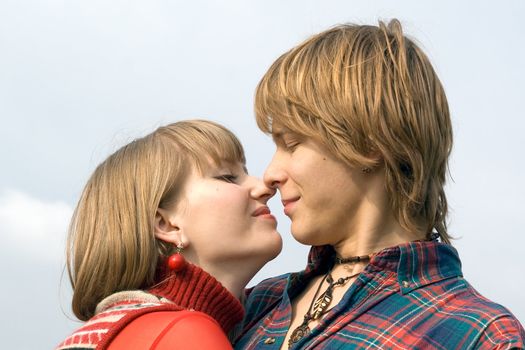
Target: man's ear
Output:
[(166, 227)]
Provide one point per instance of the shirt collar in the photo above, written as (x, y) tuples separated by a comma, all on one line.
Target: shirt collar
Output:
[(416, 263)]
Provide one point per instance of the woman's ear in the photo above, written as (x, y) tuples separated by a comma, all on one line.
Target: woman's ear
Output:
[(166, 227)]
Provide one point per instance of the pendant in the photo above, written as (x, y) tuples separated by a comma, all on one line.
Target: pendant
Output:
[(322, 303), (298, 333)]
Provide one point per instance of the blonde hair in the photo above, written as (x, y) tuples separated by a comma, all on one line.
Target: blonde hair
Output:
[(111, 242), (365, 90)]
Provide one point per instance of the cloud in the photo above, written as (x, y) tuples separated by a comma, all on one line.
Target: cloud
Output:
[(33, 227)]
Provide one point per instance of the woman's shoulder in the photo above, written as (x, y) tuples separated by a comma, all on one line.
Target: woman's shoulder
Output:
[(112, 314), (162, 329)]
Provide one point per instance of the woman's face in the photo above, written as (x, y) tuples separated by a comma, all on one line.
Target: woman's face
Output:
[(323, 197), (223, 216)]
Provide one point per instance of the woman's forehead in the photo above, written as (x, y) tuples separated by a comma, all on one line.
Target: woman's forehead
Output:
[(210, 164)]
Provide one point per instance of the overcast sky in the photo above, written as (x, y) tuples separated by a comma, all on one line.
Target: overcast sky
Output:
[(78, 79)]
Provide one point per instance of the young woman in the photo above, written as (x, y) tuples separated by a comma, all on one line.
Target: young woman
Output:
[(363, 135), (167, 233)]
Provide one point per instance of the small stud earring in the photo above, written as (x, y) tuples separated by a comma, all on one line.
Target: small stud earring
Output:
[(366, 170), (177, 262), (434, 236)]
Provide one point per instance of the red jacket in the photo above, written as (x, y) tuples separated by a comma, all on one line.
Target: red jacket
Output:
[(163, 330), (186, 310)]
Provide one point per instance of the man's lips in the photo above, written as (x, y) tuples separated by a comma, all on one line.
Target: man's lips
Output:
[(289, 205), (287, 201)]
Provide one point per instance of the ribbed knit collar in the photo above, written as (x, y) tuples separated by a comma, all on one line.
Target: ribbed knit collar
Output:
[(195, 289)]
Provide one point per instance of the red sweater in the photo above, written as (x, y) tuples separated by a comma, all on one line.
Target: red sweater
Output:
[(191, 289)]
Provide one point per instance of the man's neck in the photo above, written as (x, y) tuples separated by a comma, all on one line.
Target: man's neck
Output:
[(373, 234)]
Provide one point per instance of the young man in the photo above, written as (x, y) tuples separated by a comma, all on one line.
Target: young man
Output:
[(363, 135)]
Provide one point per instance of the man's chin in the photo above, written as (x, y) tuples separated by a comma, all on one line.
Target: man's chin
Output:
[(306, 237)]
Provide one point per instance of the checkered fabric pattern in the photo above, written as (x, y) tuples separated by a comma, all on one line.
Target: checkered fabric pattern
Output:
[(412, 296)]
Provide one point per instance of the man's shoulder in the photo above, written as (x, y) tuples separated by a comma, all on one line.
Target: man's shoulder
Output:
[(484, 322), (469, 300)]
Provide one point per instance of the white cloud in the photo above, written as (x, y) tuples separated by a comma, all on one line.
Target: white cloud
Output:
[(33, 227)]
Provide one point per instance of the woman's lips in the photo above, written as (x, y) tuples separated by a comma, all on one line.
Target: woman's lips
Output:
[(289, 205), (264, 213)]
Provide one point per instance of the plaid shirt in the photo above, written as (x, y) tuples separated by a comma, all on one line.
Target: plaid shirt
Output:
[(412, 296)]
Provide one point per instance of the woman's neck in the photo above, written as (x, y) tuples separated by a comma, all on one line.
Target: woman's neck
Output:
[(194, 288), (234, 276)]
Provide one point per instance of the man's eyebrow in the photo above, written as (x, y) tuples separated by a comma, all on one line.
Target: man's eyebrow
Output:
[(279, 132), (277, 135), (282, 133)]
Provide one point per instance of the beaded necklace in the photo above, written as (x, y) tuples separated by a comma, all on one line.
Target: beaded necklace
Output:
[(319, 305)]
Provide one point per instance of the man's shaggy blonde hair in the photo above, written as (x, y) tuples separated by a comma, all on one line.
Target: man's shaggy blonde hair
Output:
[(368, 90)]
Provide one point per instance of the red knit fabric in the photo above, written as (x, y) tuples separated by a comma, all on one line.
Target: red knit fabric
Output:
[(191, 289), (195, 289)]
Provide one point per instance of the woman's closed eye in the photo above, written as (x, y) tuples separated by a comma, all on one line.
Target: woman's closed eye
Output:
[(227, 177)]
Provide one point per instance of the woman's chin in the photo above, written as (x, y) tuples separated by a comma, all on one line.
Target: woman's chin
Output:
[(270, 251)]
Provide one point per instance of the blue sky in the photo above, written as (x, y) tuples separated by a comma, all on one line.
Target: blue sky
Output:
[(78, 79)]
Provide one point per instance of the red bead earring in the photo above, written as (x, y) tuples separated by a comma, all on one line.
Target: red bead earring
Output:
[(176, 262)]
